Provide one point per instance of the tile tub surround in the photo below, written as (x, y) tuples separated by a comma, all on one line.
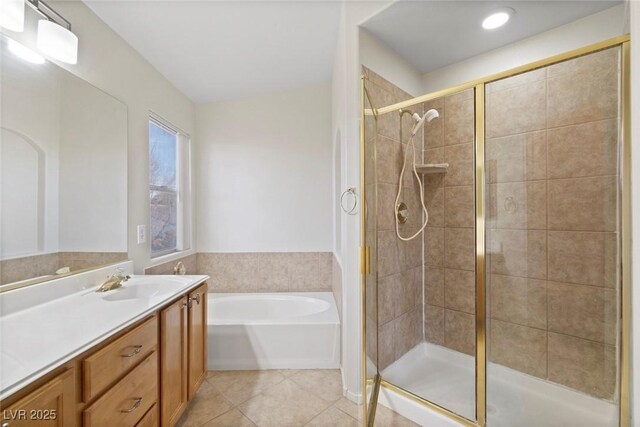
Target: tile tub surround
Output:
[(449, 240), (17, 269), (267, 271), (551, 151), (189, 261), (399, 268), (291, 398)]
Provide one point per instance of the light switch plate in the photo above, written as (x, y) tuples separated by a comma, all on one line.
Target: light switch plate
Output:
[(142, 234)]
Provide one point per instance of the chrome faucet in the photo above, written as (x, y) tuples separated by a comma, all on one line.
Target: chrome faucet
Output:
[(114, 281)]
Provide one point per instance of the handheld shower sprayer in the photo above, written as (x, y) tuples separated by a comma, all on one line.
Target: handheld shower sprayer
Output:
[(427, 117)]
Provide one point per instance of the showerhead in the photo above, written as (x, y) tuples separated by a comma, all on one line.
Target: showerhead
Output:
[(428, 116)]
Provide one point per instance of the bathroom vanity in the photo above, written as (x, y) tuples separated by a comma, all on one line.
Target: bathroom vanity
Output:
[(141, 367)]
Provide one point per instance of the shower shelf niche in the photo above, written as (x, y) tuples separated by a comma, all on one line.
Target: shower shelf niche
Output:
[(432, 168)]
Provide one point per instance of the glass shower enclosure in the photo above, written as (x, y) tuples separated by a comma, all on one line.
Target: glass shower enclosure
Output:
[(509, 309)]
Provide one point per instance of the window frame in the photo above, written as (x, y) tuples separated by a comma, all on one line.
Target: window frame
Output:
[(182, 189)]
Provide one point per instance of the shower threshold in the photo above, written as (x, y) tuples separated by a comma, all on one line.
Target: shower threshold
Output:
[(447, 378)]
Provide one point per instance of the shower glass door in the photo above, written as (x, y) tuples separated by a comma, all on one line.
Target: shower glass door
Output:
[(369, 254), (552, 227)]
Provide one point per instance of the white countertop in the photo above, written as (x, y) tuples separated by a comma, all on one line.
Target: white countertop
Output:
[(38, 339)]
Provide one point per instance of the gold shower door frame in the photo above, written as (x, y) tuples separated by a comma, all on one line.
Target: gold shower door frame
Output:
[(480, 210)]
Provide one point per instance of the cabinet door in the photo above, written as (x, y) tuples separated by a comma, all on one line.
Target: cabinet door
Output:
[(197, 338), (173, 320), (51, 405)]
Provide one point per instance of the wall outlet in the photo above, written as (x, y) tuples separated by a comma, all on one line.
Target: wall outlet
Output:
[(142, 234)]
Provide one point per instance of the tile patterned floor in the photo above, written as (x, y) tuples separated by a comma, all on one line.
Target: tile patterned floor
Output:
[(278, 398)]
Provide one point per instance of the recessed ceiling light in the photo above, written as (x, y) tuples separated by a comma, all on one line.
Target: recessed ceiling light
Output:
[(497, 19), (24, 52)]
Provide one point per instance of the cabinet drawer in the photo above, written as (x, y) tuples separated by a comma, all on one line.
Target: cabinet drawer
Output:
[(108, 364), (126, 402), (151, 418)]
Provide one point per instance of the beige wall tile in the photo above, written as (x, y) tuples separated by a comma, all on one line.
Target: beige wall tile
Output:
[(434, 246), (518, 300), (304, 271), (434, 286), (461, 165), (516, 157), (434, 132), (459, 331), (578, 310), (411, 289), (459, 206), (388, 254), (460, 248), (434, 324), (518, 80), (434, 200), (583, 90), (386, 206), (582, 365), (586, 204), (408, 332), (460, 290), (523, 253), (390, 293), (582, 257), (519, 347), (274, 272), (410, 251), (388, 160), (386, 345), (459, 118), (519, 205), (434, 155), (518, 109), (587, 149)]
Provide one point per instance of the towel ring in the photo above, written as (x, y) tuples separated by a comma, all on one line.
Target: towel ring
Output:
[(352, 191)]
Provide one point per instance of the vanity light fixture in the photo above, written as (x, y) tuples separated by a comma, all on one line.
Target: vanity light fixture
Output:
[(24, 52), (55, 38), (12, 15), (498, 18)]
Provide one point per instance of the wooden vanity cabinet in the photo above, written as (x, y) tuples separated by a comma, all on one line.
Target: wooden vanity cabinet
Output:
[(197, 369), (183, 328), (53, 404), (173, 361)]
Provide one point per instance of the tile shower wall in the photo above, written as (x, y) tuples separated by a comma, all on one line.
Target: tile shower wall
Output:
[(267, 271), (399, 263), (551, 160), (449, 240)]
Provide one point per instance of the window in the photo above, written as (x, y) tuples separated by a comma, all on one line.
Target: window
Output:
[(168, 189)]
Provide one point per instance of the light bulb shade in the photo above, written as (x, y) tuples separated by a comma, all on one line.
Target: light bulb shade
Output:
[(57, 42), (12, 15)]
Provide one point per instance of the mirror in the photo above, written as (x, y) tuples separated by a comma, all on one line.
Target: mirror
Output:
[(63, 173)]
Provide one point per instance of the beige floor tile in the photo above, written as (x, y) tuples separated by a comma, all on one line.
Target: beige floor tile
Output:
[(333, 417), (233, 418), (240, 387), (325, 383), (349, 408), (207, 404), (283, 405)]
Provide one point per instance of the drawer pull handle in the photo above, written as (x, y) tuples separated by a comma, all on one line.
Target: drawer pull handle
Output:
[(136, 349), (137, 401), (196, 298)]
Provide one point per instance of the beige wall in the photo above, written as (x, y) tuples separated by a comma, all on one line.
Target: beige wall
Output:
[(450, 235), (552, 156), (399, 263)]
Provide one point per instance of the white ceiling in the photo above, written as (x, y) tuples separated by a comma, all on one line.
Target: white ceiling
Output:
[(214, 50), (433, 34)]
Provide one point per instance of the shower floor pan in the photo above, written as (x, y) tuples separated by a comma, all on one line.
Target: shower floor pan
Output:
[(447, 378)]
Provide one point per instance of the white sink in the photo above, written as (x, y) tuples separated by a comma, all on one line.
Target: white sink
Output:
[(145, 288)]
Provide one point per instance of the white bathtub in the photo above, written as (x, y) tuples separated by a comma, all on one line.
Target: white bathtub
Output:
[(273, 331)]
